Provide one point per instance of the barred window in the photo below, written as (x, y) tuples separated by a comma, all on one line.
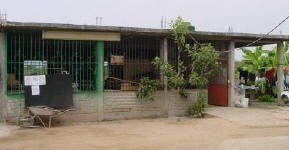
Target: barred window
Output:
[(127, 61), (29, 54)]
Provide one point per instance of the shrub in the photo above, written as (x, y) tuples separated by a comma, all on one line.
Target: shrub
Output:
[(266, 98), (285, 99), (147, 88), (261, 86), (197, 109)]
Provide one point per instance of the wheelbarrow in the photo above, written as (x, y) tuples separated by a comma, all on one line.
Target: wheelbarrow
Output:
[(41, 112)]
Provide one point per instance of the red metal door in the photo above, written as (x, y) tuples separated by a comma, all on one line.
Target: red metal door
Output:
[(218, 86), (218, 94)]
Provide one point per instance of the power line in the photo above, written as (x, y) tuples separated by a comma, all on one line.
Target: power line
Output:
[(250, 44), (268, 32)]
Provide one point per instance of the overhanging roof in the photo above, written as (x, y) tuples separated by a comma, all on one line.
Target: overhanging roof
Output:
[(240, 38)]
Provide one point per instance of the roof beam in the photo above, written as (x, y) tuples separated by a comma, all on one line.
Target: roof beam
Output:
[(80, 35)]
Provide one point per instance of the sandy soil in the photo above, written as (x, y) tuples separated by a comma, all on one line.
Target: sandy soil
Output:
[(153, 134)]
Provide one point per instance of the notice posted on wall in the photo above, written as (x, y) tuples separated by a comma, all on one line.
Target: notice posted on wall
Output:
[(41, 80), (34, 80), (35, 90)]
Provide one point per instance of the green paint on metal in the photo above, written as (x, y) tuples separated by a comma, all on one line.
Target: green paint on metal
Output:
[(73, 57), (88, 94), (99, 78), (91, 96), (15, 96), (4, 38), (99, 68)]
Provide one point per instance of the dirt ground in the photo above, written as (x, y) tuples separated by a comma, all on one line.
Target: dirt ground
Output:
[(149, 134)]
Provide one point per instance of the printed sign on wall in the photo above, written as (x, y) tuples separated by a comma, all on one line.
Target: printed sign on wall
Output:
[(35, 90), (34, 80)]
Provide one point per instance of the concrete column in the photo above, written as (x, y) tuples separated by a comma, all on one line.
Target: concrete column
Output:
[(231, 79), (3, 74), (280, 74), (162, 58), (99, 78), (164, 79), (165, 59)]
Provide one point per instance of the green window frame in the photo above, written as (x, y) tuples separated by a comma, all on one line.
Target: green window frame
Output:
[(75, 57)]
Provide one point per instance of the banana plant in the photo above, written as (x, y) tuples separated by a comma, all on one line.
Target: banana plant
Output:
[(271, 56), (286, 53), (253, 60)]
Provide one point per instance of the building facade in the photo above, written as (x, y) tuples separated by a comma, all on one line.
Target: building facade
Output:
[(106, 63)]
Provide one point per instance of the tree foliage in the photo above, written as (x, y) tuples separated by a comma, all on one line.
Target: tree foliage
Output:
[(260, 58), (204, 65), (175, 80), (180, 30), (203, 58), (253, 60), (147, 88)]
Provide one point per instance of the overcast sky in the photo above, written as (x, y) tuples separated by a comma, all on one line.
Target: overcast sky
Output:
[(253, 16)]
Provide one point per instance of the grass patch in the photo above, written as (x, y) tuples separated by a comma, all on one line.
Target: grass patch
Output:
[(266, 98)]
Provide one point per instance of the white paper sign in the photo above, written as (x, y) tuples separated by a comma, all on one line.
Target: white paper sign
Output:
[(35, 90), (27, 80), (42, 80), (34, 80)]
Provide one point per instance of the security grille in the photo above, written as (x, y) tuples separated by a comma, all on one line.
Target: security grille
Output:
[(127, 61), (29, 54)]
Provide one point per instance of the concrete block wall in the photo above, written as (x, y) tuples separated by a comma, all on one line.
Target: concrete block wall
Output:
[(85, 105), (125, 105), (118, 105), (178, 105), (15, 107), (85, 108)]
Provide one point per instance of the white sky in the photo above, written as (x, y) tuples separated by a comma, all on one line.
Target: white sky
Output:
[(253, 16)]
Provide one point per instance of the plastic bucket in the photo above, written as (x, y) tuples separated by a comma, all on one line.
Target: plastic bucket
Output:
[(244, 102)]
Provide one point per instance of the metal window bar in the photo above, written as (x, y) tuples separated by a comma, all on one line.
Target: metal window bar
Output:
[(129, 60), (75, 57)]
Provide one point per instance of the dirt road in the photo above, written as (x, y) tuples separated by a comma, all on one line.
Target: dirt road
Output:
[(147, 134)]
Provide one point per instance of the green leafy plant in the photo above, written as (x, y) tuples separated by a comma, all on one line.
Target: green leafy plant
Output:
[(179, 30), (253, 60), (183, 93), (266, 98), (147, 88), (204, 65), (197, 109), (285, 100), (261, 86), (175, 80), (203, 57)]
